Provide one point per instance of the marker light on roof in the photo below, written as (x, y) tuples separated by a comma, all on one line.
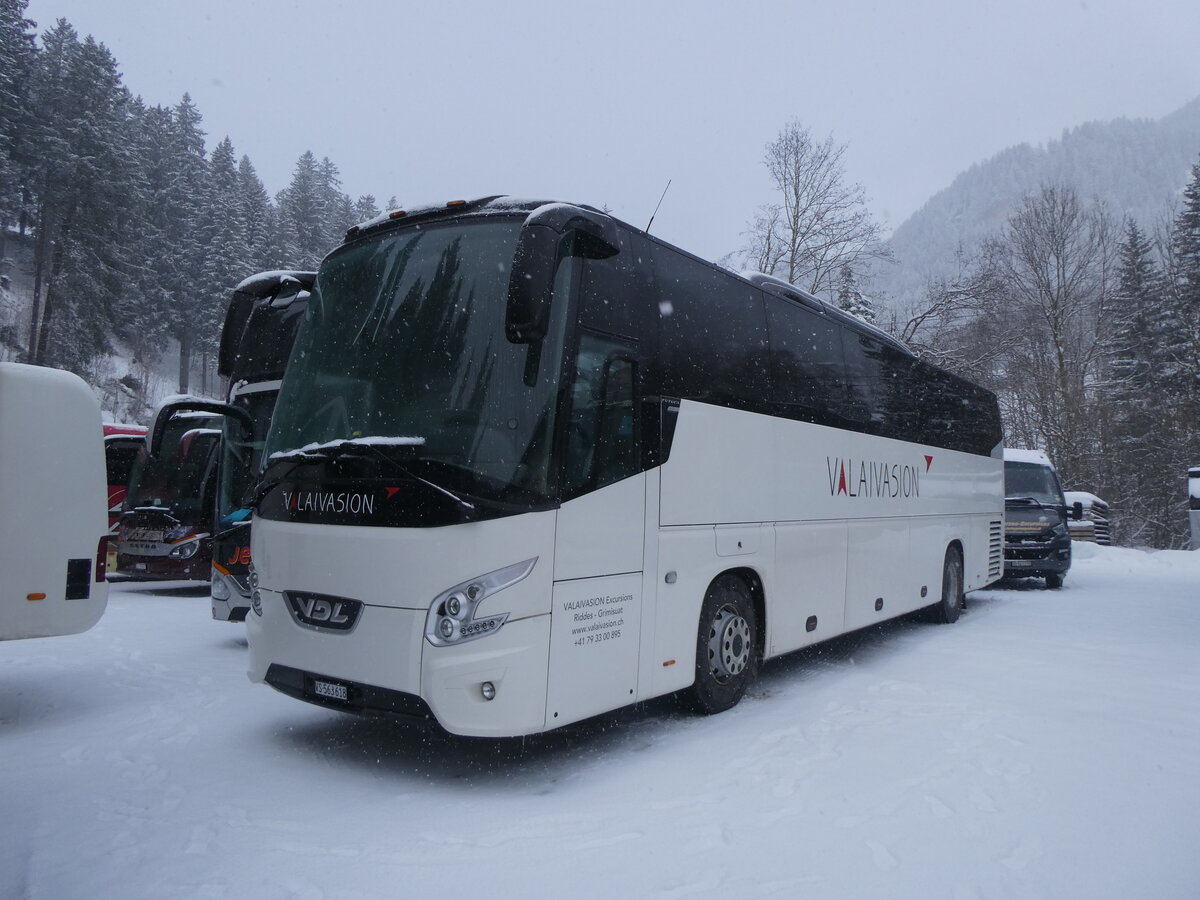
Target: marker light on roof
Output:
[(397, 214), (456, 203)]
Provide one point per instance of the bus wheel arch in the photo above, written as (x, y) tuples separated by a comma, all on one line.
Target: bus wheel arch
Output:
[(729, 640), (951, 593)]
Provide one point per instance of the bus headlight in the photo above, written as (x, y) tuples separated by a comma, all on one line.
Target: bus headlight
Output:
[(452, 618), (186, 550), (220, 590), (255, 596)]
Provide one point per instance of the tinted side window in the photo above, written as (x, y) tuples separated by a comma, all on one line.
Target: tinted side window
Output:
[(118, 457), (951, 412), (712, 334), (808, 372), (864, 397), (898, 395), (602, 425), (611, 299)]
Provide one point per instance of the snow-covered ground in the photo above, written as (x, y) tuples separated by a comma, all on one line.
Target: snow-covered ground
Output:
[(1047, 745)]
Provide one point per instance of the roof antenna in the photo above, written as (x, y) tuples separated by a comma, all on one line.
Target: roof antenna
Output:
[(660, 200)]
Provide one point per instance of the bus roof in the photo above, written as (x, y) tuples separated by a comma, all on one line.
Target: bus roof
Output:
[(1020, 454), (505, 205)]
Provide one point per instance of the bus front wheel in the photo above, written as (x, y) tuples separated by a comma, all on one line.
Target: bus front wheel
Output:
[(947, 609), (726, 646)]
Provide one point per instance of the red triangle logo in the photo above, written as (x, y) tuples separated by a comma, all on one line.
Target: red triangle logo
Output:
[(842, 479), (391, 492), (928, 462)]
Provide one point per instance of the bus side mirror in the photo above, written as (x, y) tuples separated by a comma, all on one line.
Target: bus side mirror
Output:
[(550, 233), (1077, 510), (170, 411)]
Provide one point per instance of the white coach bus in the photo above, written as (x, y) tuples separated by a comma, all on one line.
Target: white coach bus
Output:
[(53, 504), (530, 464)]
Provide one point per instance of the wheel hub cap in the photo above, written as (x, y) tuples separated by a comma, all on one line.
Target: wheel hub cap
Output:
[(728, 644)]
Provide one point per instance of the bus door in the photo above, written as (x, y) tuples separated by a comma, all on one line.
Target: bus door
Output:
[(600, 535)]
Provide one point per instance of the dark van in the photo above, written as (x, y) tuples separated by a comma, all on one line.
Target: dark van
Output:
[(1037, 543)]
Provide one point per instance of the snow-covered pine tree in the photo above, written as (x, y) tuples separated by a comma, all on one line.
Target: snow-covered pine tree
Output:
[(144, 316), (84, 193), (262, 239), (1185, 279), (851, 299), (365, 208), (221, 232), (339, 211), (186, 199), (1140, 402), (303, 225), (17, 58)]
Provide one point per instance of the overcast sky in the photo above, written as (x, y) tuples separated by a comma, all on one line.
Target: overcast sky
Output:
[(604, 102)]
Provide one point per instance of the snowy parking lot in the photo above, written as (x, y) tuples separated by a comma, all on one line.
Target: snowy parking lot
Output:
[(1047, 745)]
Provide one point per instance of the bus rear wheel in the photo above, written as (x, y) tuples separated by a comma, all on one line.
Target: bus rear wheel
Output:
[(726, 646), (947, 609)]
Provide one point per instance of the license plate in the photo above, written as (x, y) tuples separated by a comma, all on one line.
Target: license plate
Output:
[(1017, 563), (141, 567), (144, 534), (330, 690)]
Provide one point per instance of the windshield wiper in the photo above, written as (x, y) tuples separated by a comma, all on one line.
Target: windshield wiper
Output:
[(362, 449), (1025, 501), (345, 448), (229, 529), (264, 487)]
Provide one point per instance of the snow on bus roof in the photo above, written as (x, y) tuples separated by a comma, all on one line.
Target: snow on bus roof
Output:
[(1020, 454), (487, 204), (372, 441)]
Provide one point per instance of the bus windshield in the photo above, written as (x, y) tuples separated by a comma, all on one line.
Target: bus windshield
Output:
[(403, 355), (177, 480), (1032, 480), (241, 455)]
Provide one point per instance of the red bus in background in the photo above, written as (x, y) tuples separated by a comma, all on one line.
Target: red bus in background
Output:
[(121, 445), (165, 532)]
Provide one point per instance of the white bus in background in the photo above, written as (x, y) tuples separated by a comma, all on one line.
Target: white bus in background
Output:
[(1194, 505), (529, 464), (53, 504)]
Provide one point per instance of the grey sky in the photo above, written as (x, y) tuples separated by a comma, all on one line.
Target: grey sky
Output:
[(603, 102)]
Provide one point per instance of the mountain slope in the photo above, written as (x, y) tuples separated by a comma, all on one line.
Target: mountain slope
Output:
[(1136, 167)]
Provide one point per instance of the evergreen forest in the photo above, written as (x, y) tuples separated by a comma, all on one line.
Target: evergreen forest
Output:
[(126, 233)]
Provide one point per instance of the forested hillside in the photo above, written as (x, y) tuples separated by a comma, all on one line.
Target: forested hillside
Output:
[(1135, 167), (1087, 327), (122, 232)]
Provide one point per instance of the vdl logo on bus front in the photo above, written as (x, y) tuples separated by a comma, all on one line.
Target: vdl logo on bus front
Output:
[(321, 611)]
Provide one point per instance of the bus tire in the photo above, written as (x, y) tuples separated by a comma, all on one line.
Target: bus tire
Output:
[(947, 609), (1054, 582), (726, 646)]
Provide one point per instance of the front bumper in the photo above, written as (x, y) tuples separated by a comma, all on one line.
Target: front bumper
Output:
[(1037, 558), (163, 568), (385, 665), (229, 602)]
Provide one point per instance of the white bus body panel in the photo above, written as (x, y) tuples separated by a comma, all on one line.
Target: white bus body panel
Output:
[(828, 522), (53, 500), (596, 623), (856, 519)]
